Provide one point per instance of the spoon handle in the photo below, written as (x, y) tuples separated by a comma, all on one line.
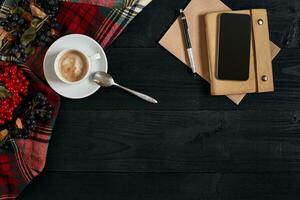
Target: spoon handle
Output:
[(138, 94)]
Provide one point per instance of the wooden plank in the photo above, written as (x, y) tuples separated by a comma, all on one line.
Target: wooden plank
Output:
[(188, 131), (152, 23), (171, 186), (283, 19), (157, 73), (177, 141)]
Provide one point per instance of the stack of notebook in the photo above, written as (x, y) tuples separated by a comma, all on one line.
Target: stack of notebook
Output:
[(202, 19)]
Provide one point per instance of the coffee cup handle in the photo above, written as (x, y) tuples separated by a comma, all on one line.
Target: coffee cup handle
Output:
[(95, 57)]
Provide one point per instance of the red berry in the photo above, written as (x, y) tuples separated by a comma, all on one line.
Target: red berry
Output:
[(17, 84)]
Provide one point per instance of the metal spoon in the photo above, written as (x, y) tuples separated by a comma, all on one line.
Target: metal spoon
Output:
[(106, 80)]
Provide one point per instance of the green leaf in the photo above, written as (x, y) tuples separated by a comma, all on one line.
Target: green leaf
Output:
[(35, 22), (19, 11), (4, 93), (28, 36), (39, 26)]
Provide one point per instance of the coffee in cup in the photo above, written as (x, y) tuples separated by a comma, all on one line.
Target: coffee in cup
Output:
[(73, 66)]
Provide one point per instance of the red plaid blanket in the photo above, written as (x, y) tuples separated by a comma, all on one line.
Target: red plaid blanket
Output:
[(103, 20)]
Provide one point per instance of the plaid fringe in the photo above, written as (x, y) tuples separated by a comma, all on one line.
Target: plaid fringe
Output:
[(117, 20), (105, 3)]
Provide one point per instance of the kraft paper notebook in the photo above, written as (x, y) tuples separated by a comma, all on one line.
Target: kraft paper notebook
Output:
[(260, 67), (173, 40)]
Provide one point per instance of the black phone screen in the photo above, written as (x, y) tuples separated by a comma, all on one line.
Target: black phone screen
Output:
[(234, 47)]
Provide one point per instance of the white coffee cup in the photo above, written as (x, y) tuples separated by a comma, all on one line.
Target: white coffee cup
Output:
[(87, 58)]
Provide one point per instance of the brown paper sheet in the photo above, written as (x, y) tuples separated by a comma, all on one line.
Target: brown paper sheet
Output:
[(173, 40)]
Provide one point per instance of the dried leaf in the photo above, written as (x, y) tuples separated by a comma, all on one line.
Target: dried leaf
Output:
[(37, 12), (19, 123), (4, 45), (18, 55), (3, 135), (4, 93), (28, 36), (54, 33), (3, 33), (9, 37)]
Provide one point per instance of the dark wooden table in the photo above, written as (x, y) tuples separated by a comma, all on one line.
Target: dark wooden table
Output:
[(191, 145)]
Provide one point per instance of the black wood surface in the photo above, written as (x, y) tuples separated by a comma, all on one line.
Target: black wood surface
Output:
[(189, 146)]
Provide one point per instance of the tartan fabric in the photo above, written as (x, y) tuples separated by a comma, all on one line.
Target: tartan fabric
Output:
[(10, 183), (106, 3), (102, 23), (26, 157), (103, 20)]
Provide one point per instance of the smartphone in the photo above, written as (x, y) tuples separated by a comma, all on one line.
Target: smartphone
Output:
[(234, 43)]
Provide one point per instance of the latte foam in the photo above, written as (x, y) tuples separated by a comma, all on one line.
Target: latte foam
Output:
[(73, 66)]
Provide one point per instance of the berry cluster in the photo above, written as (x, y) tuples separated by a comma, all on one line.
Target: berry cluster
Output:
[(16, 26), (16, 83), (27, 30), (35, 109), (50, 6), (38, 110)]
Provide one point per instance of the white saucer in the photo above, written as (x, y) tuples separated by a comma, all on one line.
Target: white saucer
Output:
[(84, 44)]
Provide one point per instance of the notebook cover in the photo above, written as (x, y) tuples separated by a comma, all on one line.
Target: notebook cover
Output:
[(173, 40), (260, 60)]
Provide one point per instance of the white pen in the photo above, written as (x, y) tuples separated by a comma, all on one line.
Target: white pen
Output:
[(187, 40)]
